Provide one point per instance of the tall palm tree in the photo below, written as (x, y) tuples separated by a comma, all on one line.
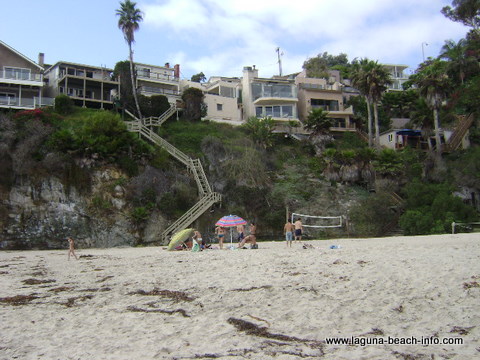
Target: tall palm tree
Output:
[(359, 81), (433, 84), (378, 79), (130, 18)]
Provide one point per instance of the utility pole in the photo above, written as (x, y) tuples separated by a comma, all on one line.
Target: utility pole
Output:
[(423, 51), (279, 60)]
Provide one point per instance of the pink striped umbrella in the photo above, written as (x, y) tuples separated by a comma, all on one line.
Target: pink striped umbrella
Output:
[(230, 221)]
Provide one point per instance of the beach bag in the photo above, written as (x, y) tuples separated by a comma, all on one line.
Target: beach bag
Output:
[(195, 246)]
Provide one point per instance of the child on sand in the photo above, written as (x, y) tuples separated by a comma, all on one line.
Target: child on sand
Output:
[(71, 248)]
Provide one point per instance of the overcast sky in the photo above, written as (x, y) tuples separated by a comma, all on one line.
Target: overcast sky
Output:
[(220, 37)]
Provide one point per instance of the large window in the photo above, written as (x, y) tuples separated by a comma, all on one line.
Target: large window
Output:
[(272, 90), (328, 105), (277, 111), (17, 73)]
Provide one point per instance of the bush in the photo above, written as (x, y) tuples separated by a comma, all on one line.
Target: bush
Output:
[(63, 104), (371, 215), (431, 209)]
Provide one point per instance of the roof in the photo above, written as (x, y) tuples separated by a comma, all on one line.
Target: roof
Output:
[(21, 55), (78, 65)]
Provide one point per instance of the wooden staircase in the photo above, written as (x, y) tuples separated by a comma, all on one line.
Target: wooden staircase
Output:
[(207, 196), (464, 123)]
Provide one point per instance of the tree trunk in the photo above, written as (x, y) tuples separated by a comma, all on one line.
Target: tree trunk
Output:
[(369, 112), (436, 122), (134, 88), (377, 127)]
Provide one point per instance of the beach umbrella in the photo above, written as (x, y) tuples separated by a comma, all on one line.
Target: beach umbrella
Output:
[(179, 237), (230, 221)]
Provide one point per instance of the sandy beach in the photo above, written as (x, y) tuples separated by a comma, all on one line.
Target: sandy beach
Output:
[(270, 303)]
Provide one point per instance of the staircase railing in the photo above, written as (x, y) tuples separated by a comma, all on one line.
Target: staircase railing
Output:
[(455, 140), (207, 196), (158, 121), (191, 215)]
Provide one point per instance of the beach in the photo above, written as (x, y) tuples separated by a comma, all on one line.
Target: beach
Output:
[(390, 295)]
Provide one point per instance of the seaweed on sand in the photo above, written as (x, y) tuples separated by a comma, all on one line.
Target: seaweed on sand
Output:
[(18, 299), (38, 281), (176, 296), (170, 312), (252, 329), (71, 301)]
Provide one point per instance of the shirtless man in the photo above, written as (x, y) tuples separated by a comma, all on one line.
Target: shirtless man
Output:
[(298, 230), (288, 231), (220, 231), (240, 232), (252, 238), (71, 248)]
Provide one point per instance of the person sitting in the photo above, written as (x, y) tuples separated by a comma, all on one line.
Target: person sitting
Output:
[(252, 238)]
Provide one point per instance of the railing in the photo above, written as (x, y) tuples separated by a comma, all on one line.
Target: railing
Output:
[(160, 91), (21, 76), (158, 121), (150, 75), (207, 196), (455, 140), (191, 215), (26, 103)]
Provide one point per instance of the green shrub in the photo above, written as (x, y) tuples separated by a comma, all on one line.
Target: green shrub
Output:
[(139, 215), (63, 104), (372, 215), (431, 209)]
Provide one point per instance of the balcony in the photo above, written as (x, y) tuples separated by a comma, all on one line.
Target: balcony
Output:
[(156, 77), (26, 103), (273, 93), (151, 90), (21, 77)]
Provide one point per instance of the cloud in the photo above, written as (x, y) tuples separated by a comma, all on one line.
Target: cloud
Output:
[(219, 37)]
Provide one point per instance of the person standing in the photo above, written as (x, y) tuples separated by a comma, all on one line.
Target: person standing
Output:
[(288, 231), (71, 248), (298, 229), (241, 233), (220, 232)]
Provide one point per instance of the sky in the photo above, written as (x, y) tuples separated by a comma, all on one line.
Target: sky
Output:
[(220, 37)]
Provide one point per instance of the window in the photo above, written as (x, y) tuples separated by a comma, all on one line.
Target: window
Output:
[(17, 73), (284, 111), (390, 137), (328, 105), (219, 107), (287, 111)]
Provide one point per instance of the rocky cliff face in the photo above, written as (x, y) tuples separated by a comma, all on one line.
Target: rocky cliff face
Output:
[(41, 214)]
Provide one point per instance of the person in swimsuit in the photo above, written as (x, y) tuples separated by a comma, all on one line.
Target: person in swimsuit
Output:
[(220, 231), (288, 231), (298, 230), (252, 238)]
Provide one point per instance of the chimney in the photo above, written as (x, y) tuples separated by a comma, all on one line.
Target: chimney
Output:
[(167, 65), (176, 71), (41, 59)]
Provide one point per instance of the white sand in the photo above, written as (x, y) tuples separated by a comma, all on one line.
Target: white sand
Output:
[(371, 288)]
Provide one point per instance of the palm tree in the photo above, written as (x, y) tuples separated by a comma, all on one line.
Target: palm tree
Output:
[(359, 81), (130, 17), (319, 124), (433, 84), (378, 79), (460, 62)]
